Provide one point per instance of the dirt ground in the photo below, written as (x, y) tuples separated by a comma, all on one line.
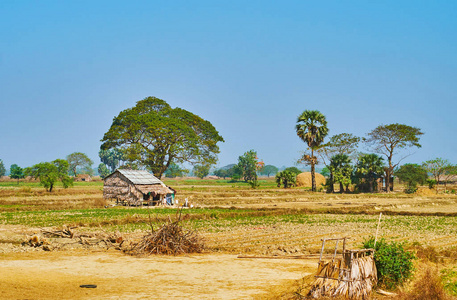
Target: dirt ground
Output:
[(58, 275)]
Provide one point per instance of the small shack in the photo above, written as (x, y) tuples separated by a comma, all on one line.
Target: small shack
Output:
[(137, 187), (83, 177)]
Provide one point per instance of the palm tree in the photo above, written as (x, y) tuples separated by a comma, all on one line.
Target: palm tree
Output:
[(312, 128)]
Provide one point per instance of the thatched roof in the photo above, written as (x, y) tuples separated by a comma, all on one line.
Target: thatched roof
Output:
[(138, 176)]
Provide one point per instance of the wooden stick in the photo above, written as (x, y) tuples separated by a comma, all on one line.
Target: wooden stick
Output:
[(377, 229)]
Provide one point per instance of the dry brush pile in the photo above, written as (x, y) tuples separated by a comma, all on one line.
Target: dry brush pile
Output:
[(170, 239)]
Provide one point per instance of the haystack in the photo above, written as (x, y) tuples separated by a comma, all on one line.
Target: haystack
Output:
[(304, 179)]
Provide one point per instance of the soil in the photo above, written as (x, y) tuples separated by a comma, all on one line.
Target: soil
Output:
[(29, 273)]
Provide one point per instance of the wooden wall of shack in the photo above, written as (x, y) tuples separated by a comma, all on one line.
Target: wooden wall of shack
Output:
[(120, 188)]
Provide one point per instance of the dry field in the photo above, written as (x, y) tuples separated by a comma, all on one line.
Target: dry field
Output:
[(232, 218)]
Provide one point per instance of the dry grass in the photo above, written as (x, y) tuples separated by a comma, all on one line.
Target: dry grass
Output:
[(428, 286)]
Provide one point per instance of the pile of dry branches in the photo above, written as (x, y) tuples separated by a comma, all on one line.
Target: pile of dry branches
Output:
[(54, 239), (169, 239)]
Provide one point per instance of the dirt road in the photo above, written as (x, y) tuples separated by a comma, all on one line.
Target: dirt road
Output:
[(58, 275)]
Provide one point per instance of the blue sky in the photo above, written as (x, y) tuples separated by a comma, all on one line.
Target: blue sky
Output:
[(249, 67)]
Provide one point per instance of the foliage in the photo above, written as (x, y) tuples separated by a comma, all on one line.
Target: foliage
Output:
[(78, 159), (154, 135), (412, 175), (438, 167), (325, 171), (2, 169), (311, 128), (50, 172), (341, 170), (201, 170), (247, 167), (293, 170), (449, 277), (368, 169), (16, 172), (103, 170), (286, 178), (111, 158), (387, 139), (223, 173), (343, 143), (268, 170), (174, 171), (431, 183), (393, 262)]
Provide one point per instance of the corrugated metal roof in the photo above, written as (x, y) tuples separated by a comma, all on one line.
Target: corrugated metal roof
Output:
[(140, 177)]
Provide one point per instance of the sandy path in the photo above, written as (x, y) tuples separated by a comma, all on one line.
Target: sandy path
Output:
[(58, 275)]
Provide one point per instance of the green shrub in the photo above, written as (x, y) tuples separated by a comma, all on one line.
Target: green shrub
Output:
[(431, 183), (393, 262)]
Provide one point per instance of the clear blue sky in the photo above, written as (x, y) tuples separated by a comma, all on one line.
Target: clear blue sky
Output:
[(249, 67)]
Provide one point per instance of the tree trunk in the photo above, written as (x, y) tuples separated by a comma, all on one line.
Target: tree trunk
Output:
[(341, 188), (331, 186), (313, 175)]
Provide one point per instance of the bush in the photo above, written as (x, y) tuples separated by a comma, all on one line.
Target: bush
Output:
[(393, 262), (431, 183)]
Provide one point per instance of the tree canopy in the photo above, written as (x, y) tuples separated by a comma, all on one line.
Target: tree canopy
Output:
[(412, 175), (174, 171), (248, 165), (2, 169), (201, 170), (78, 160), (437, 167), (111, 158), (153, 135), (268, 170), (50, 172), (16, 172), (389, 139), (103, 170)]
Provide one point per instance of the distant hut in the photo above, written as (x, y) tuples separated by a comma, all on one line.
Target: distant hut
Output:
[(137, 187), (83, 177)]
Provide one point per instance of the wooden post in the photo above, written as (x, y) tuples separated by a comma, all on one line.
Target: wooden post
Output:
[(377, 229), (336, 247), (322, 250)]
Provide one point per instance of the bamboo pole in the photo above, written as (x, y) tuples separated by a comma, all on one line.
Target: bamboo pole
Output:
[(377, 230)]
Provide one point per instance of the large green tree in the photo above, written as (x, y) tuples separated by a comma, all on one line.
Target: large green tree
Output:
[(16, 172), (312, 128), (2, 169), (201, 170), (247, 167), (268, 170), (153, 135), (50, 172), (388, 140), (78, 160), (412, 175)]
